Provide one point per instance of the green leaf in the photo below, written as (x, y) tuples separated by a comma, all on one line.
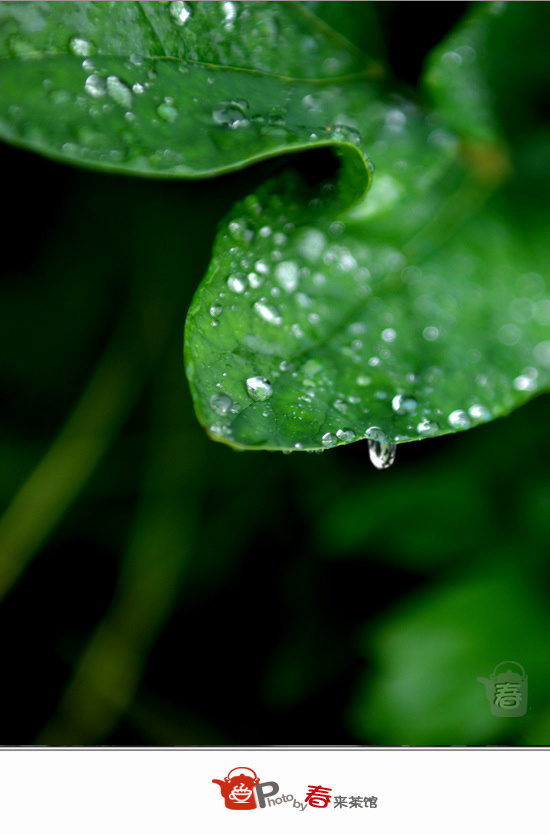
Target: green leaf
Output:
[(170, 89), (361, 327), (429, 654), (420, 312)]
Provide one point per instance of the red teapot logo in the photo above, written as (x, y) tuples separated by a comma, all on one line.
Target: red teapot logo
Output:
[(238, 788)]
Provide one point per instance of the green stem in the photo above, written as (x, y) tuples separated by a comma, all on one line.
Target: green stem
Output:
[(109, 671)]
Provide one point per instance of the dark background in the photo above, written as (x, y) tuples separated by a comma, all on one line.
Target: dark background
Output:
[(162, 589)]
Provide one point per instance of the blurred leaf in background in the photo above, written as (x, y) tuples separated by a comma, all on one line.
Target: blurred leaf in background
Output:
[(163, 589)]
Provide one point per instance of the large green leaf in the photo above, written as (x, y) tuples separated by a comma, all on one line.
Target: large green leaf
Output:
[(171, 89), (359, 333), (419, 311)]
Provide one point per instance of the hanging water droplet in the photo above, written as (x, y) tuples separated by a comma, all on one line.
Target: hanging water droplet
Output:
[(459, 419), (167, 111), (180, 12), (119, 92), (427, 427), (81, 47), (268, 313), (221, 403), (94, 86), (329, 440), (381, 454), (259, 388), (404, 404), (345, 435), (375, 433), (237, 283)]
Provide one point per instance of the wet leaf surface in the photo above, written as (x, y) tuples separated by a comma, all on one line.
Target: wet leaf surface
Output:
[(331, 312)]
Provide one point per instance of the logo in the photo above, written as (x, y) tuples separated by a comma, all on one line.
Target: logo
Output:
[(507, 691), (241, 789)]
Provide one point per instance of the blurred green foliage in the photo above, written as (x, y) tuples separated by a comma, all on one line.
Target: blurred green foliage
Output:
[(163, 589)]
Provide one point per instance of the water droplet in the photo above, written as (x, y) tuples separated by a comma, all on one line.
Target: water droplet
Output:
[(329, 440), (254, 280), (388, 335), (167, 111), (459, 419), (430, 333), (286, 274), (346, 134), (345, 435), (237, 283), (240, 231), (427, 427), (311, 244), (509, 334), (404, 404), (375, 433), (364, 380), (138, 88), (180, 12), (268, 313), (229, 15), (381, 454), (94, 86), (231, 114), (119, 92), (79, 46), (541, 352), (524, 383), (478, 412), (340, 406), (259, 388), (216, 309), (221, 403)]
